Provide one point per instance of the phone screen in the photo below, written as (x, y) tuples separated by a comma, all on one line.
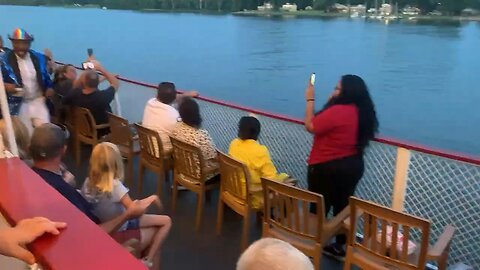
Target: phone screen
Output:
[(90, 52), (88, 65), (312, 79)]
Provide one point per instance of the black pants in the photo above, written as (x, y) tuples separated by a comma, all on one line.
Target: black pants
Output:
[(336, 180)]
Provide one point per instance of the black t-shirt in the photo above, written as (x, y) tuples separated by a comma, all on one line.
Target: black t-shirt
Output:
[(70, 193), (98, 102), (63, 88)]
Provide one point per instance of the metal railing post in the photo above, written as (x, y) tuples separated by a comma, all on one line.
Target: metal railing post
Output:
[(8, 119), (401, 178)]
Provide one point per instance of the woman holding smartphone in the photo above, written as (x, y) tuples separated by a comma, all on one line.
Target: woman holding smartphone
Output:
[(342, 130)]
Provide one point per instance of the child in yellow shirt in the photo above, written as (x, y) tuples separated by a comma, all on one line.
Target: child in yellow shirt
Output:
[(256, 156)]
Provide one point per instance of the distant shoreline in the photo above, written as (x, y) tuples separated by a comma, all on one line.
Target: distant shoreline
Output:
[(321, 14), (299, 13)]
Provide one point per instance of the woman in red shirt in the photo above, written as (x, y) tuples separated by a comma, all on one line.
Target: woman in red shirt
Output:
[(342, 130)]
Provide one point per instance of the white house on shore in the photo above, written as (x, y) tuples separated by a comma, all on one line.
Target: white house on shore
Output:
[(265, 6), (409, 10), (289, 7)]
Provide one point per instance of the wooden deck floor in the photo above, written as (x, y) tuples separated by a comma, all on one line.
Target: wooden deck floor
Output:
[(185, 248)]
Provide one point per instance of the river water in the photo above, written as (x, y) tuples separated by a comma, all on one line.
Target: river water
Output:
[(423, 77)]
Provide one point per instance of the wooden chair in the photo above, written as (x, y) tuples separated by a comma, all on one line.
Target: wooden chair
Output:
[(152, 157), (235, 193), (190, 171), (85, 130), (387, 243), (287, 217), (121, 135)]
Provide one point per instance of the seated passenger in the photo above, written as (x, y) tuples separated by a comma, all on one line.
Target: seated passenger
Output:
[(63, 84), (189, 130), (22, 137), (105, 191), (47, 149), (95, 100), (160, 113), (273, 254), (246, 149)]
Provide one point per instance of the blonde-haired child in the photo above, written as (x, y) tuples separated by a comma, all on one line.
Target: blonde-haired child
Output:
[(105, 190)]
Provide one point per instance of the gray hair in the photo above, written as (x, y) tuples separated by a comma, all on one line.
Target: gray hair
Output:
[(92, 80), (273, 254)]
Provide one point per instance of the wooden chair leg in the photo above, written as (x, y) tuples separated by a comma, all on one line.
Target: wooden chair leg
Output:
[(348, 260), (442, 262), (198, 221), (220, 215), (141, 172), (316, 260), (78, 151), (245, 233), (174, 194)]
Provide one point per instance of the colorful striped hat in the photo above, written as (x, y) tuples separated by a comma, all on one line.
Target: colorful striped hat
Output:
[(20, 34)]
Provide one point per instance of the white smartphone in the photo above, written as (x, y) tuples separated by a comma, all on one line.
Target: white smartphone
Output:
[(312, 79), (88, 65)]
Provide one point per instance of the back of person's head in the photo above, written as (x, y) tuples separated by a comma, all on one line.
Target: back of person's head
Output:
[(166, 92), (22, 137), (106, 165), (273, 254), (92, 80), (48, 143), (249, 128), (60, 73), (190, 112), (354, 90)]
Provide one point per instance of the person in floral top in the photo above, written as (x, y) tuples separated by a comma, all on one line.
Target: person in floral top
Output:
[(189, 130)]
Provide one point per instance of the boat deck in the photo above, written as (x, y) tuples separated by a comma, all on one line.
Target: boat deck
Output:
[(185, 248)]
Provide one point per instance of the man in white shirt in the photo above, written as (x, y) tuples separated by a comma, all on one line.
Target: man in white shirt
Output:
[(28, 82), (161, 115)]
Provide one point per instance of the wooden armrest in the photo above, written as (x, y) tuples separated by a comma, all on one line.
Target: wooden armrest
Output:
[(442, 243), (102, 126)]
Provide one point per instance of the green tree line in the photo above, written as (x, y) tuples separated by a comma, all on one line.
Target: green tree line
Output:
[(447, 6)]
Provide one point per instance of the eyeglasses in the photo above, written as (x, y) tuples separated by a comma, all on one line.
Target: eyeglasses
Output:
[(338, 88)]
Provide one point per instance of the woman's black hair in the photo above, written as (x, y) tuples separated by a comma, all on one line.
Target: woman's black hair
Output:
[(190, 112), (166, 92), (355, 91), (249, 128)]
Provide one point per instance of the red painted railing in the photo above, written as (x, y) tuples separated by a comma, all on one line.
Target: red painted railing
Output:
[(82, 245), (394, 142), (389, 141)]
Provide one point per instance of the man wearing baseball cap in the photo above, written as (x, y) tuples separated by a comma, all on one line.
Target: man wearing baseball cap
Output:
[(47, 148), (27, 81)]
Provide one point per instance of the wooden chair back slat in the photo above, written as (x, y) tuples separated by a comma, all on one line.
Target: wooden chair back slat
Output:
[(120, 133), (188, 161), (383, 242), (151, 149), (406, 236), (393, 245), (279, 200), (84, 123), (235, 178), (393, 249), (373, 231)]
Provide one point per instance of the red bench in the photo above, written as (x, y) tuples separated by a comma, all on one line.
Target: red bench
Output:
[(82, 245)]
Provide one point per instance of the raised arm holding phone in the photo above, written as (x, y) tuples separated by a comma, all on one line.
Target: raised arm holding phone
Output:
[(90, 97), (341, 132)]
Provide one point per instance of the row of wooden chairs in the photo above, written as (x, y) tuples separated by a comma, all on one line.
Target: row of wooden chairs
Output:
[(386, 237), (387, 234)]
